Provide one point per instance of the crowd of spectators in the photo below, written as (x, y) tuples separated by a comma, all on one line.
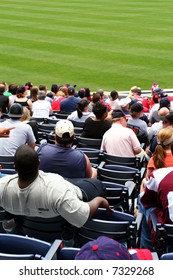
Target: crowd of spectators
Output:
[(127, 127)]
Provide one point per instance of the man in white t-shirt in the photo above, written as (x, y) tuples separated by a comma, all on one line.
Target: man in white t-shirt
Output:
[(41, 108), (21, 134), (35, 193), (120, 140)]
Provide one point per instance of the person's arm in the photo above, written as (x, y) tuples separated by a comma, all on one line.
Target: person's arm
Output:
[(5, 132), (97, 202), (32, 145), (90, 172), (138, 151)]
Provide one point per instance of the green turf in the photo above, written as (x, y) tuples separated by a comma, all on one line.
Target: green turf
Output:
[(111, 44)]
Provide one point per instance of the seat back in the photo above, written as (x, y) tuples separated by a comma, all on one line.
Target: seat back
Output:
[(43, 127), (88, 143), (119, 160), (117, 225), (78, 124), (47, 229), (164, 238), (117, 173), (68, 253), (92, 154), (166, 257), (117, 196), (60, 115), (17, 247), (7, 161)]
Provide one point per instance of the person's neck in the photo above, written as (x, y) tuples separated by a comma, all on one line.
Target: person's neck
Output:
[(25, 183)]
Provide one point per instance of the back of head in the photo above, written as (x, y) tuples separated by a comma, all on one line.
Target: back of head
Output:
[(71, 90), (117, 115), (15, 111), (165, 102), (26, 162), (114, 94), (99, 109), (136, 109), (164, 142), (54, 88), (163, 111), (96, 97), (21, 90), (2, 89), (13, 89), (82, 104), (64, 132), (41, 95), (137, 91)]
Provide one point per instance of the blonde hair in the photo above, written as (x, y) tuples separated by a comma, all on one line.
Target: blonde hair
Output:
[(164, 141), (26, 114)]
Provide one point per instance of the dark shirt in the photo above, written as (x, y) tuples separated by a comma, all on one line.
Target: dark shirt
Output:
[(69, 104), (4, 101), (67, 162), (95, 129)]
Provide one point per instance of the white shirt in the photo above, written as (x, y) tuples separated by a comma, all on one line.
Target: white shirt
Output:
[(21, 134), (41, 109), (120, 141), (48, 196)]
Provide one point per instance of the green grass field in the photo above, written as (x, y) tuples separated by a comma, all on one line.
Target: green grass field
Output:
[(111, 44)]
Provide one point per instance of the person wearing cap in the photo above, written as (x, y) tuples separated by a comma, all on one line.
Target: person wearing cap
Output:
[(21, 97), (32, 192), (41, 108), (163, 103), (120, 140), (69, 104), (95, 127), (61, 158), (82, 113), (21, 134), (145, 102), (139, 126), (125, 106), (105, 248)]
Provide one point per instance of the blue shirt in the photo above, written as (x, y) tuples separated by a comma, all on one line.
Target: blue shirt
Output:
[(67, 162)]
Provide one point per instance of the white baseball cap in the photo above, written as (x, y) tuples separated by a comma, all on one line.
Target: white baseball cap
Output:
[(124, 101), (64, 126)]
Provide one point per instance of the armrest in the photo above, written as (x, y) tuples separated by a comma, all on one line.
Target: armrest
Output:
[(55, 246)]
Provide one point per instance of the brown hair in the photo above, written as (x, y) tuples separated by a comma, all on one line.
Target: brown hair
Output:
[(164, 141)]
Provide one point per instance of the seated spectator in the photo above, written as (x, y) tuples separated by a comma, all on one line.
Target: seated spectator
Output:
[(125, 106), (69, 104), (164, 102), (21, 97), (103, 99), (82, 113), (61, 158), (120, 140), (139, 126), (162, 156), (13, 90), (59, 96), (105, 248), (21, 134), (33, 94), (144, 100), (32, 192), (167, 120), (95, 98), (4, 100), (157, 197), (41, 108), (113, 101), (95, 127), (26, 118)]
